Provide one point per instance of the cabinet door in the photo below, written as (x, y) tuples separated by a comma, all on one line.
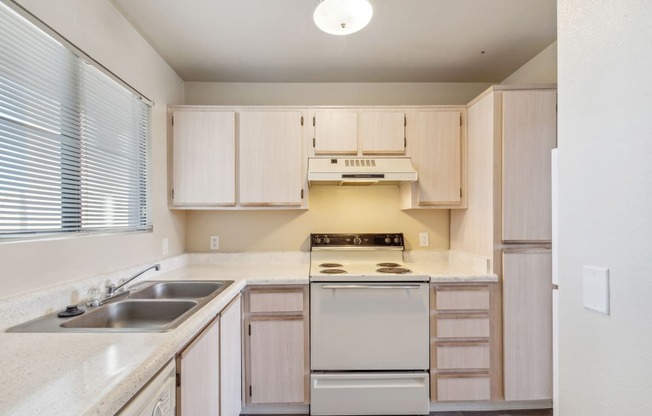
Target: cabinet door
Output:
[(198, 366), (203, 158), (527, 300), (336, 132), (231, 359), (437, 157), (383, 132), (529, 134), (277, 370), (271, 157)]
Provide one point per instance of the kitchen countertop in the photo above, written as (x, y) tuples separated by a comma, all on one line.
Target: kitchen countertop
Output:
[(96, 373)]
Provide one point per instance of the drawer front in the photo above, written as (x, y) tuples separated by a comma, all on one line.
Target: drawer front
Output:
[(276, 301), (463, 357), (449, 327), (377, 393), (462, 299), (450, 388)]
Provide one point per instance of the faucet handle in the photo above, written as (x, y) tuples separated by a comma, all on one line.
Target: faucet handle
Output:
[(121, 286), (94, 296)]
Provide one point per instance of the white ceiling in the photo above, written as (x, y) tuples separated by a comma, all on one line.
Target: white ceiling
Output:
[(406, 41)]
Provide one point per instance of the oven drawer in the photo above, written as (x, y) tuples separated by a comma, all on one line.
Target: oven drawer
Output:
[(462, 356), (395, 393), (369, 326), (463, 387)]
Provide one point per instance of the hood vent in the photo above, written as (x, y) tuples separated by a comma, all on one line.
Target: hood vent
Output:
[(360, 171)]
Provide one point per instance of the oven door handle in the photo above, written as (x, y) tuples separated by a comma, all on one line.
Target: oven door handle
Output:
[(370, 286)]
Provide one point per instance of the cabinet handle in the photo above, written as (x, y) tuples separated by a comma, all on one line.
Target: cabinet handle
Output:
[(370, 286)]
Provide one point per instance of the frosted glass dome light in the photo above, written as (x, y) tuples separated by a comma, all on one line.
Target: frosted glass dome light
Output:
[(343, 17)]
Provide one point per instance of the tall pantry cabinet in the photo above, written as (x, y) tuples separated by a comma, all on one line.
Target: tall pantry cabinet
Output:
[(511, 132)]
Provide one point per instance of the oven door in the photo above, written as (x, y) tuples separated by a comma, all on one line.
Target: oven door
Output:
[(369, 326)]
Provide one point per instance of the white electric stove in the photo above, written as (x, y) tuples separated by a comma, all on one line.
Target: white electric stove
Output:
[(369, 325)]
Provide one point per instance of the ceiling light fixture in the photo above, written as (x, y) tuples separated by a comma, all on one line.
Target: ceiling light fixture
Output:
[(342, 17)]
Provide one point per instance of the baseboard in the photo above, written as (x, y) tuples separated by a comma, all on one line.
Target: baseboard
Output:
[(479, 406), (276, 409)]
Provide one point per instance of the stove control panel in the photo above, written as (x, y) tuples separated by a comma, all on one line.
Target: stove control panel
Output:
[(367, 240)]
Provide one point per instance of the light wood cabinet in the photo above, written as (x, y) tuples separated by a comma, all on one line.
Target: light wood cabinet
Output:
[(465, 354), (527, 297), (383, 133), (511, 132), (436, 146), (231, 358), (358, 131), (202, 158), (268, 171), (276, 345), (335, 132), (198, 372), (529, 134), (271, 158)]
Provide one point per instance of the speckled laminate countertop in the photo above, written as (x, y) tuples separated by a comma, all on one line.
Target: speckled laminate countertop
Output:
[(97, 374)]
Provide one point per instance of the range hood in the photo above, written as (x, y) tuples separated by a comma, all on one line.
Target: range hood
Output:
[(360, 171)]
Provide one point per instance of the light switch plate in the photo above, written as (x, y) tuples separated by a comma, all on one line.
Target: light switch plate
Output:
[(595, 286)]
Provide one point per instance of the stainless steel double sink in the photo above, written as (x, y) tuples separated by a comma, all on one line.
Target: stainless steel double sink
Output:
[(152, 306)]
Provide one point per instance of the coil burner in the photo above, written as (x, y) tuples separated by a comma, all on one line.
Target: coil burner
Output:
[(332, 265), (332, 271), (394, 270), (388, 265)]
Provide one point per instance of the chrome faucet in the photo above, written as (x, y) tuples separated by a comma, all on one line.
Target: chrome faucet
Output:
[(111, 289)]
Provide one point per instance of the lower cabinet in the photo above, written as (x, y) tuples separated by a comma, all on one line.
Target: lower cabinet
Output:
[(198, 369), (276, 345), (527, 295), (209, 369), (465, 357)]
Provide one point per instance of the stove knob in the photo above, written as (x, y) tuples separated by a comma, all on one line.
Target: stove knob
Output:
[(357, 241), (397, 240), (327, 240), (317, 240), (388, 240)]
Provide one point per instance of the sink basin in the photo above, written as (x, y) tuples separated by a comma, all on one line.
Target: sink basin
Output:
[(179, 290), (153, 315), (152, 306)]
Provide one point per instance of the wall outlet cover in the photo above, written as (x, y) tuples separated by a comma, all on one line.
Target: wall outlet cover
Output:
[(595, 288), (424, 241), (215, 242), (165, 247)]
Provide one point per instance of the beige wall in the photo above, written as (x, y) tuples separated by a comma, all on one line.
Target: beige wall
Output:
[(332, 209), (542, 69), (605, 205), (397, 93), (97, 28)]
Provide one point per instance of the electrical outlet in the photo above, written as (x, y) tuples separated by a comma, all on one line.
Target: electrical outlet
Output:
[(424, 241), (165, 247), (215, 242)]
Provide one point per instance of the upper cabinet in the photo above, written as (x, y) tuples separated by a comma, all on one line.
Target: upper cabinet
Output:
[(271, 158), (358, 131), (269, 171), (383, 133), (202, 158), (529, 134), (436, 146), (336, 132)]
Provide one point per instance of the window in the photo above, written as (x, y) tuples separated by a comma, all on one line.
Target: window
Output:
[(74, 140)]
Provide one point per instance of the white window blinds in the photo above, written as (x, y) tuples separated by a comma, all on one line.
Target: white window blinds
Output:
[(74, 143)]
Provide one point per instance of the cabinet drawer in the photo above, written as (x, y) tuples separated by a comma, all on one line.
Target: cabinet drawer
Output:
[(276, 301), (462, 299), (462, 327), (463, 388), (462, 357)]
